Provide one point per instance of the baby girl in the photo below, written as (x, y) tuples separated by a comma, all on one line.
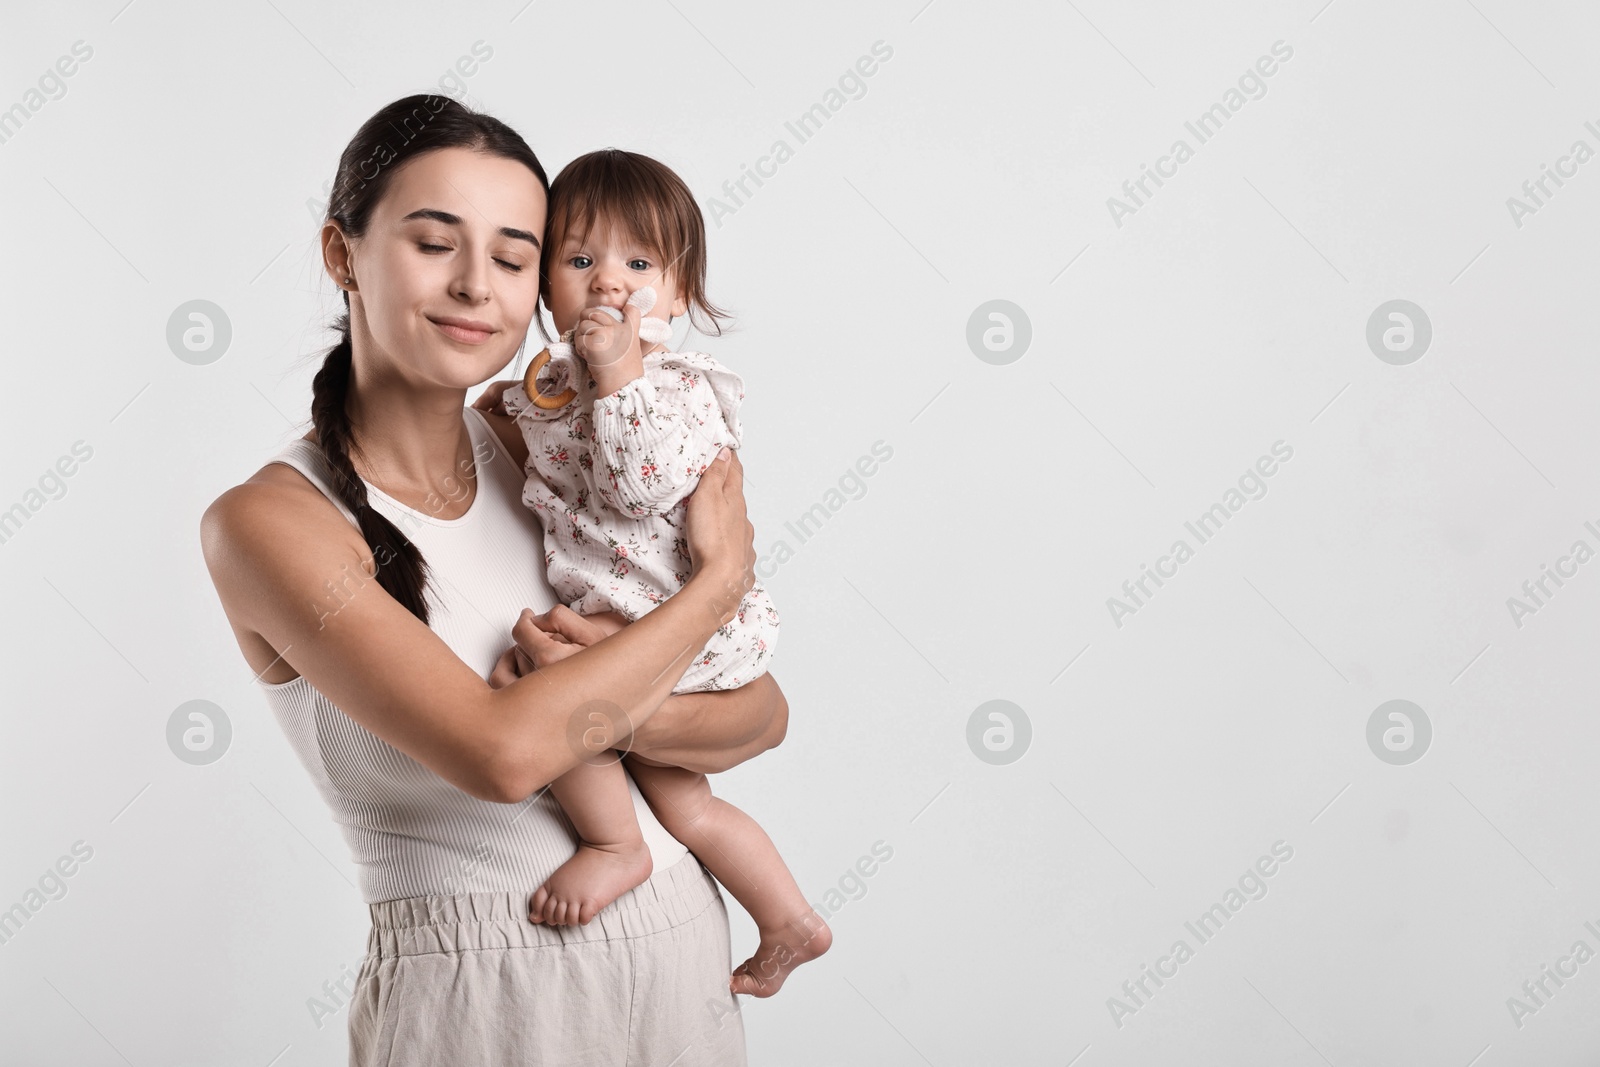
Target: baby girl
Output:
[(619, 431)]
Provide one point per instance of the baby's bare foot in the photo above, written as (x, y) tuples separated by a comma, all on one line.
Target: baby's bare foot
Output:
[(781, 951), (594, 877)]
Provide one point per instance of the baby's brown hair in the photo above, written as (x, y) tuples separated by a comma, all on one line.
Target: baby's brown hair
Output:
[(647, 198)]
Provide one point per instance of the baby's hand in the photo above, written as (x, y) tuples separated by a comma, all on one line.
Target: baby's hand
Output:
[(493, 398), (553, 636), (550, 638), (541, 641), (608, 340), (602, 340)]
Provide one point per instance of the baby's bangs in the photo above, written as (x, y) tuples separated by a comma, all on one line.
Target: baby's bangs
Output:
[(615, 201)]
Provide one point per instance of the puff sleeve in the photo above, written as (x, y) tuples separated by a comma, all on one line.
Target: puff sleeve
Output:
[(653, 438)]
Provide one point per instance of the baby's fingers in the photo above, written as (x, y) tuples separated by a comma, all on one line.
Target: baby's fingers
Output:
[(513, 664), (539, 648), (492, 398), (505, 670), (568, 625)]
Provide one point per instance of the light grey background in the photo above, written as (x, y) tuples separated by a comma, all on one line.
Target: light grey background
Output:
[(1167, 754)]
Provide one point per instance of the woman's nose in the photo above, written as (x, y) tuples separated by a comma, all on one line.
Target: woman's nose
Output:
[(472, 284)]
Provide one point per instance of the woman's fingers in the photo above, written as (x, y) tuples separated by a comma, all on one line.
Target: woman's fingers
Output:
[(734, 485), (716, 472), (733, 492), (718, 529)]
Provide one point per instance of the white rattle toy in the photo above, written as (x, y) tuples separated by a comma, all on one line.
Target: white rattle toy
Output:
[(652, 330)]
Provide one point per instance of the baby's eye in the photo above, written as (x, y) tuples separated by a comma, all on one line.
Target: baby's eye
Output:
[(581, 262), (639, 264)]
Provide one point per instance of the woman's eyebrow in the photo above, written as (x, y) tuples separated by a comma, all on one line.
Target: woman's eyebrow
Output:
[(455, 220)]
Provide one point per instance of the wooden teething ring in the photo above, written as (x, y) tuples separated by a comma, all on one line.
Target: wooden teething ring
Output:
[(531, 385)]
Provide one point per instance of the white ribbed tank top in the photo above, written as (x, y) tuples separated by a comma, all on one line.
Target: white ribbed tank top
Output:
[(410, 832)]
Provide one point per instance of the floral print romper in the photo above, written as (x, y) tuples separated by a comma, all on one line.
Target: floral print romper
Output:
[(609, 478)]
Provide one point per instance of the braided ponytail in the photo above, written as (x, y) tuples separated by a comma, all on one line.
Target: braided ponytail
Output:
[(401, 569), (427, 122)]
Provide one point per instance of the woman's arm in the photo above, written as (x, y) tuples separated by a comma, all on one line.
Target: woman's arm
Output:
[(711, 732), (707, 732), (271, 549)]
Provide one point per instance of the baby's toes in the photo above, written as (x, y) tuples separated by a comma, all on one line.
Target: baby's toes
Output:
[(743, 981)]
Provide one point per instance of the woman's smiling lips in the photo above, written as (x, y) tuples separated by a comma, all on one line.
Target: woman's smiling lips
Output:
[(468, 331)]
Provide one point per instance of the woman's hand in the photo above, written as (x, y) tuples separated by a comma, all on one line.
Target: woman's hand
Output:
[(549, 638), (492, 400), (721, 539)]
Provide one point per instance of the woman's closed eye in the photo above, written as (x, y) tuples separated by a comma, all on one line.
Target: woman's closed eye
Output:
[(513, 267)]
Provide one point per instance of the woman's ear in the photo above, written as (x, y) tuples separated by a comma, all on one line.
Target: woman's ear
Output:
[(336, 254)]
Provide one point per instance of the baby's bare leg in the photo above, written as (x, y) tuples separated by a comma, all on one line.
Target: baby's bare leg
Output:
[(743, 858), (612, 857)]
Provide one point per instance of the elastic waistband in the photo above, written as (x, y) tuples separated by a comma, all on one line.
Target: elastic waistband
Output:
[(462, 922)]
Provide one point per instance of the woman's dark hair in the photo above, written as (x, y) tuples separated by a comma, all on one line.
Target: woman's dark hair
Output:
[(398, 133), (648, 199)]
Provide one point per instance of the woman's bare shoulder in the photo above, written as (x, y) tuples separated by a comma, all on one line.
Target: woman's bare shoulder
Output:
[(269, 543), (271, 486), (275, 507)]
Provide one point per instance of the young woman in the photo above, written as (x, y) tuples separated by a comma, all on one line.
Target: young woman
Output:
[(373, 574)]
